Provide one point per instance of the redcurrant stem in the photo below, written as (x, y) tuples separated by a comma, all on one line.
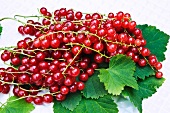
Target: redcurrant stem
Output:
[(88, 48), (32, 90), (10, 65), (86, 32), (12, 83), (17, 72), (9, 18), (7, 48), (36, 16), (146, 60), (72, 60)]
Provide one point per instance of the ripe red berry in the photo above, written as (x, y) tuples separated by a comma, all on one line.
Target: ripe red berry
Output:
[(158, 65), (64, 90), (5, 56), (145, 52), (83, 77), (43, 11), (38, 100), (55, 43), (142, 62), (159, 74), (75, 71), (76, 50), (15, 60), (80, 86), (132, 25), (78, 15), (111, 47), (60, 97), (98, 46), (48, 98)]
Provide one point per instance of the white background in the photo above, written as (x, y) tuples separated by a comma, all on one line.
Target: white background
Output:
[(153, 12)]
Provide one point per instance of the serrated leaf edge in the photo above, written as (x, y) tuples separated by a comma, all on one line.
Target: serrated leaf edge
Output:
[(74, 107), (94, 97)]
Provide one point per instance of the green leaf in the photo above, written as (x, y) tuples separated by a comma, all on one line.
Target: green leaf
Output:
[(102, 105), (156, 40), (0, 29), (58, 108), (72, 101), (142, 72), (94, 88), (119, 74), (147, 87), (18, 106)]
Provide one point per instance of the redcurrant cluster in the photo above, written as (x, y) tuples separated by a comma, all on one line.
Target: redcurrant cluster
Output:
[(67, 48)]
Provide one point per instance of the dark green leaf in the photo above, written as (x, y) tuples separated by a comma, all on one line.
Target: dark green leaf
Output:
[(72, 100), (147, 87), (18, 106), (156, 40), (94, 88), (0, 29), (119, 74), (143, 72), (102, 105), (58, 108)]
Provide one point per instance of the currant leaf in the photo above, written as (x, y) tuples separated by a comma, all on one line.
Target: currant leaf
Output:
[(156, 40), (0, 29), (73, 99), (147, 88), (58, 108), (118, 75), (92, 87), (142, 72), (102, 105), (18, 106)]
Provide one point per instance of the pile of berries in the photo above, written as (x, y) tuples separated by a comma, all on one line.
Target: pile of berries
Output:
[(62, 51)]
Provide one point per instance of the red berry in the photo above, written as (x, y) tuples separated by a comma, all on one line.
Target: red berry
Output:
[(48, 98), (159, 74), (78, 15), (38, 100), (29, 99), (60, 97), (5, 56), (68, 81), (80, 86), (158, 65), (54, 88), (55, 43), (64, 90), (111, 47), (145, 52), (75, 71), (76, 50), (40, 56), (43, 11), (98, 58), (58, 76), (142, 62), (15, 60), (22, 44), (98, 46), (132, 25), (83, 77)]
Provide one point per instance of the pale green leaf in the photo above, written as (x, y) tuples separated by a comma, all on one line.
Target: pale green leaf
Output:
[(18, 106), (119, 74)]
